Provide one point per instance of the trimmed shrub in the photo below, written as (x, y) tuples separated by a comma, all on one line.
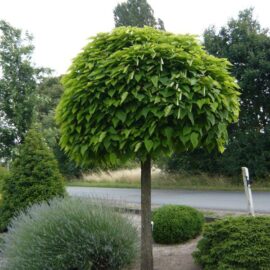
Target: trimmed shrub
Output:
[(235, 243), (70, 233), (176, 224), (34, 178)]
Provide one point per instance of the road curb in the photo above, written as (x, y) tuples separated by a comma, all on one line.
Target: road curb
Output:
[(137, 211)]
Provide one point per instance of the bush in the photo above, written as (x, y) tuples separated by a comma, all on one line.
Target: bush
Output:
[(175, 224), (34, 178), (235, 243), (70, 233)]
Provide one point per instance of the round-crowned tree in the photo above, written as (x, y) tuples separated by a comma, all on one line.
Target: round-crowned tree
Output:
[(140, 92), (34, 178)]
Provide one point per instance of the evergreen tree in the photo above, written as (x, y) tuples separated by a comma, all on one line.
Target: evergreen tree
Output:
[(136, 13), (34, 178)]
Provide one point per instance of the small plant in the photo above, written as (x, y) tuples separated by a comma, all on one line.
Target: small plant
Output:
[(235, 243), (34, 177), (176, 224), (77, 234)]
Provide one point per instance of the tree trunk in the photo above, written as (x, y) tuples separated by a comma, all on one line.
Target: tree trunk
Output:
[(146, 234)]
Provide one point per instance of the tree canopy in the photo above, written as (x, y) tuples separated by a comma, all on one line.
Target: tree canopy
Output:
[(136, 13), (18, 86), (136, 92), (246, 44)]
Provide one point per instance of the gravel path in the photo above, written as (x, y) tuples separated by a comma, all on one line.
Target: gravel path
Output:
[(169, 257)]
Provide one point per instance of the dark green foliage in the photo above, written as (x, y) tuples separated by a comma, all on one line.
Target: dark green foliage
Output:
[(137, 92), (176, 224), (136, 13), (246, 45), (18, 86), (241, 243), (196, 161), (49, 93), (245, 149), (4, 173), (70, 234), (34, 178)]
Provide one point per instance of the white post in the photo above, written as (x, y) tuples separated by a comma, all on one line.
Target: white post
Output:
[(246, 181)]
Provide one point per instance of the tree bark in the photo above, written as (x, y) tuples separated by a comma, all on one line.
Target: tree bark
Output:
[(146, 234)]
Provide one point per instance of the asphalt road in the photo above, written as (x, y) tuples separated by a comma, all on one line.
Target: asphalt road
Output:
[(216, 200)]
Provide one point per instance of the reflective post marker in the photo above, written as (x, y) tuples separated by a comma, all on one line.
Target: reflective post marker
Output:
[(247, 183)]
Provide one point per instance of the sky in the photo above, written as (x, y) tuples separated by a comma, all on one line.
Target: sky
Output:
[(61, 28)]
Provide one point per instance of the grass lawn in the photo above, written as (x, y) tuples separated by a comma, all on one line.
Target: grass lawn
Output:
[(131, 179)]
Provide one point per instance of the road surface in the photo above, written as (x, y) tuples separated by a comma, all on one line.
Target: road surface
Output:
[(216, 200)]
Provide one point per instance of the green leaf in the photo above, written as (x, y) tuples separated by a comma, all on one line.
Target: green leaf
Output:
[(137, 147), (102, 136), (113, 158), (168, 110), (145, 111), (214, 106), (200, 103), (152, 129), (190, 62), (123, 97), (138, 77), (164, 80), (88, 117), (131, 75), (157, 100), (148, 144), (186, 131), (84, 149), (193, 81), (121, 115), (125, 69), (127, 132), (211, 118), (190, 116), (194, 139), (154, 80), (115, 122), (168, 131)]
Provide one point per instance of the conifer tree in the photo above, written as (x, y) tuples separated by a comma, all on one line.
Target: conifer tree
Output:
[(34, 178)]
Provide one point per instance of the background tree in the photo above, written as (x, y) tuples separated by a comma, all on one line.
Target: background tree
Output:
[(49, 91), (136, 13), (138, 93), (17, 84), (247, 45), (34, 178)]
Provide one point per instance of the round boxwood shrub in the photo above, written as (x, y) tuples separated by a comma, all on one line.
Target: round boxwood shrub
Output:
[(34, 177), (175, 224), (235, 243), (73, 234)]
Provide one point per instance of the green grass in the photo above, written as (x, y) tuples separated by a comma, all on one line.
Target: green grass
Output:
[(172, 181)]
